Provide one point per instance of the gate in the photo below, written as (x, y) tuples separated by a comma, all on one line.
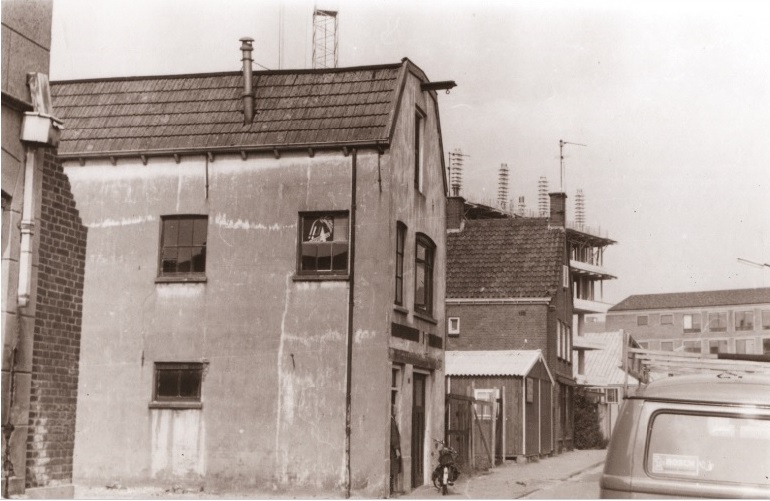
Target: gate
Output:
[(471, 430)]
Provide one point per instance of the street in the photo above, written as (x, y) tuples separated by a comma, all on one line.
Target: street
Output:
[(582, 486)]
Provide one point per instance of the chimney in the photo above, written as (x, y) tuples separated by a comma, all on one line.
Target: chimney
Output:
[(455, 207), (248, 90), (558, 217)]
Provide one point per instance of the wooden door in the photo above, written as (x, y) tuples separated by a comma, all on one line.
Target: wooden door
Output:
[(418, 429)]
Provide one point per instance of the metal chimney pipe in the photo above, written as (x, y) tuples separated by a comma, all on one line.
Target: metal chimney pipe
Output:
[(248, 91)]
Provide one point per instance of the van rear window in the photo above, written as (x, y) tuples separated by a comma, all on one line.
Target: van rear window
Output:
[(724, 448)]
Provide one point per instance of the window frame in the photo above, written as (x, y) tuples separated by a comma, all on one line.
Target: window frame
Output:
[(672, 344), (719, 342), (692, 328), (749, 314), (666, 319), (181, 275), (748, 345), (642, 320), (401, 233), (419, 147), (316, 273), (615, 395), (696, 343), (718, 315), (428, 266), (450, 330), (765, 314), (197, 367)]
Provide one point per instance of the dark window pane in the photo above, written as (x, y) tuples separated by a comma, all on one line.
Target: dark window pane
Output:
[(184, 264), (189, 383), (324, 257), (308, 256), (199, 259), (340, 256), (170, 232), (167, 383), (170, 257), (399, 290), (185, 231), (341, 228), (200, 228)]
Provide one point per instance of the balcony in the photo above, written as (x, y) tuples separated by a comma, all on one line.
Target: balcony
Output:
[(580, 306), (589, 270)]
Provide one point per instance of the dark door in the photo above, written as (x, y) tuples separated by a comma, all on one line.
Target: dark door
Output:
[(418, 429)]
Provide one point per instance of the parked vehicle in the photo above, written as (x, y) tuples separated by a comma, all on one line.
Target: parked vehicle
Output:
[(446, 472), (705, 435)]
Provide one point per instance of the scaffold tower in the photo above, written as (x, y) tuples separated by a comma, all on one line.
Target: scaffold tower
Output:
[(542, 196), (456, 161), (502, 186), (580, 208), (325, 38)]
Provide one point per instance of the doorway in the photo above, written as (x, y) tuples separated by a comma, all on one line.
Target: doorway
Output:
[(418, 429)]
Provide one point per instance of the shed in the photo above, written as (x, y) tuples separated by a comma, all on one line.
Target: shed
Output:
[(521, 382)]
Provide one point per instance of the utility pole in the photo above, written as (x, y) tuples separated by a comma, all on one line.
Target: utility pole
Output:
[(561, 160)]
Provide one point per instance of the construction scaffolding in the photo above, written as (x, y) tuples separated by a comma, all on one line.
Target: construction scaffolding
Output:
[(325, 38)]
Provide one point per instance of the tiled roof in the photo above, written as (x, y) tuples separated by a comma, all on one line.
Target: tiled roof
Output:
[(205, 111), (603, 366), (694, 299), (504, 258), (491, 363)]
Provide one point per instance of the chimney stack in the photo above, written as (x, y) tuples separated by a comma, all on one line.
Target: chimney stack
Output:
[(455, 212), (248, 90), (558, 217)]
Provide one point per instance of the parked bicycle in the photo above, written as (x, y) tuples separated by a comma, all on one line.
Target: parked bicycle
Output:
[(445, 474)]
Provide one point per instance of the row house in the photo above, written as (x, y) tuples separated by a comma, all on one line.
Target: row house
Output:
[(264, 276), (733, 321), (509, 289)]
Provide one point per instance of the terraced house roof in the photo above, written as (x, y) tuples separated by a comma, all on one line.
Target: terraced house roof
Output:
[(205, 111), (504, 258), (701, 299)]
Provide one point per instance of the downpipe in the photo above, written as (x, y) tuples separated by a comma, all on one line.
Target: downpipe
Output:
[(351, 305)]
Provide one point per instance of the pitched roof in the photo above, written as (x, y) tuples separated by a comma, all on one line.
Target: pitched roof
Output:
[(694, 299), (205, 111), (492, 362), (504, 258), (603, 366)]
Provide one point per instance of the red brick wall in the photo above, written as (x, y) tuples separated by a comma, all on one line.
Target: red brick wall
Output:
[(499, 327), (53, 394)]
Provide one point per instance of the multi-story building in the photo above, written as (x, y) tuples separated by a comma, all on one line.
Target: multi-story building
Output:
[(264, 277), (43, 259), (723, 321)]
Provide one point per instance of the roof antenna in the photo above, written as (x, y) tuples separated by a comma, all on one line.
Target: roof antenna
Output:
[(561, 161)]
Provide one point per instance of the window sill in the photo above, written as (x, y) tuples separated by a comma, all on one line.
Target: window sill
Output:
[(175, 405), (425, 316), (320, 278), (400, 309), (190, 279)]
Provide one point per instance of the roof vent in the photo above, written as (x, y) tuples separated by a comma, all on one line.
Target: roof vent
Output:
[(248, 91)]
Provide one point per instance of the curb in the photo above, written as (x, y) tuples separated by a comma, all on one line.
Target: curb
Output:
[(571, 475)]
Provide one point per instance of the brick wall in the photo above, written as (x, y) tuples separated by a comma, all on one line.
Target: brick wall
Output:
[(53, 394), (499, 327)]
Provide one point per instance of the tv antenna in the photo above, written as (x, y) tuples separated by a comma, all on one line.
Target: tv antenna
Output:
[(561, 160)]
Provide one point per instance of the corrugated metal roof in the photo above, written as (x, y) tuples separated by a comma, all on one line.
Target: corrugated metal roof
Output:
[(603, 367), (302, 107), (491, 362), (504, 258), (701, 299)]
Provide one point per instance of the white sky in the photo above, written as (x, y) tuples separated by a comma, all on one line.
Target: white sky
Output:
[(672, 99)]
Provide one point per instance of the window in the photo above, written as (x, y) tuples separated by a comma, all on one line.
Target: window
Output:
[(484, 410), (400, 239), (324, 243), (423, 274), (692, 346), (766, 346), (666, 319), (183, 251), (454, 326), (744, 346), (718, 346), (419, 129), (718, 322), (641, 320), (565, 276), (611, 395), (691, 322), (667, 346), (744, 320), (559, 340), (178, 382), (765, 319)]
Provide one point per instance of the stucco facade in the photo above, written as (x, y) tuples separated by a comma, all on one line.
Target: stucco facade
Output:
[(271, 341)]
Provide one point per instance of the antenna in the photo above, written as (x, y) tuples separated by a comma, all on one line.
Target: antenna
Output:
[(753, 263), (561, 160), (325, 38), (502, 189), (456, 160)]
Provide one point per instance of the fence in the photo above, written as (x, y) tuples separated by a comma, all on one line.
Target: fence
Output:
[(472, 430)]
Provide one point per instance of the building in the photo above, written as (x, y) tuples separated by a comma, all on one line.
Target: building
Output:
[(43, 260), (509, 288), (599, 369), (264, 276), (724, 321)]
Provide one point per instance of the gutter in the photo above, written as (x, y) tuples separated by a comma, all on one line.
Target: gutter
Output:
[(504, 300)]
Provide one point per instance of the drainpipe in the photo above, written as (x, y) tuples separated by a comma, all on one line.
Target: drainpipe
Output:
[(351, 304), (248, 90), (27, 229)]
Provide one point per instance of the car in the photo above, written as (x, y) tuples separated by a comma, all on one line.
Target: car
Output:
[(700, 436)]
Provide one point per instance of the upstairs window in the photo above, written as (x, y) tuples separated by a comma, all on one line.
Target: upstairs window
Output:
[(641, 320), (323, 243), (691, 322), (183, 246), (744, 320), (423, 274), (666, 319), (765, 319), (419, 133), (400, 240), (453, 326), (178, 382), (718, 322)]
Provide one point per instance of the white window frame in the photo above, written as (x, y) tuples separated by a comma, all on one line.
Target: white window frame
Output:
[(453, 331), (614, 399), (487, 395), (749, 349)]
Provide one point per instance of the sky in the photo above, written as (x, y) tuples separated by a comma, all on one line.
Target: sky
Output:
[(671, 100)]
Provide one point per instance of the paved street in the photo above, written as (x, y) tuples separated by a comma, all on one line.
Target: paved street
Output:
[(550, 478)]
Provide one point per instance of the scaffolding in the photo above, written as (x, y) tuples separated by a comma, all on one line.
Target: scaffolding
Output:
[(325, 38), (456, 161), (580, 208), (543, 204)]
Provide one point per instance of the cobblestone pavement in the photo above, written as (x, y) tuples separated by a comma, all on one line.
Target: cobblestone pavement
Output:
[(511, 480)]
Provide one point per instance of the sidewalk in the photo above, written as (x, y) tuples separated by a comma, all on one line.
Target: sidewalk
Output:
[(511, 480)]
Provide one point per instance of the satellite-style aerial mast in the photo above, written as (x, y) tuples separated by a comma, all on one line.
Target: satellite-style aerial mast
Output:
[(561, 160)]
